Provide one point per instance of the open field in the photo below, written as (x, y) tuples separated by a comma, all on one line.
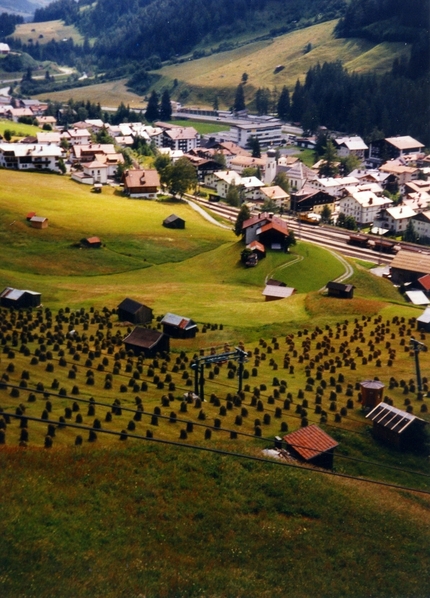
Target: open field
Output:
[(140, 517), (18, 129), (47, 31), (109, 95)]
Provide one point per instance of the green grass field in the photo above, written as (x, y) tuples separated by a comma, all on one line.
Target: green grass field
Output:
[(46, 31), (144, 518), (18, 129)]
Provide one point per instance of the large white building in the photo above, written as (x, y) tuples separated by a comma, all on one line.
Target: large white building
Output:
[(364, 206), (268, 133), (30, 156)]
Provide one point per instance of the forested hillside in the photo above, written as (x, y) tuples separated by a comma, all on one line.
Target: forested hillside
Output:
[(138, 29)]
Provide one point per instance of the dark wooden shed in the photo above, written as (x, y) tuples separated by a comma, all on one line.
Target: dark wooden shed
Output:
[(39, 222), (178, 326), (174, 221), (19, 299), (371, 393), (91, 243), (313, 445), (338, 289), (147, 341), (134, 312), (396, 427)]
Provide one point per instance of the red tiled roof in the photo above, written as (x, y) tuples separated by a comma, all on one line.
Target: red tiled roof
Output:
[(425, 282), (310, 441), (279, 226)]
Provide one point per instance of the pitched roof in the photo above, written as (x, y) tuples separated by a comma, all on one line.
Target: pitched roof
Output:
[(310, 441), (404, 142), (142, 178), (392, 418), (352, 143), (130, 305), (411, 261), (280, 292), (146, 338), (178, 321), (274, 192), (425, 282), (339, 286)]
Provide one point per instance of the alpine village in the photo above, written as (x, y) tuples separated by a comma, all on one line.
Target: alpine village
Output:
[(215, 299)]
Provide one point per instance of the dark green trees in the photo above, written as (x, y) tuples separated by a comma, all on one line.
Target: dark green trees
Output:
[(152, 110)]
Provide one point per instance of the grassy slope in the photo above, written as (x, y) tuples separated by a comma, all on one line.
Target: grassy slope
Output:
[(50, 30), (146, 521), (220, 73), (203, 525)]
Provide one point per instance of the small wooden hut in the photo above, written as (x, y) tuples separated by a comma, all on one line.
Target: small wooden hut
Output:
[(338, 289), (174, 221), (396, 427), (39, 222), (371, 393), (134, 312), (147, 341), (313, 445)]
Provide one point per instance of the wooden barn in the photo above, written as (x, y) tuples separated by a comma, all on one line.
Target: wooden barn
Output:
[(274, 292), (91, 243), (396, 427), (312, 445), (18, 299), (39, 222), (178, 326), (134, 312), (174, 221), (338, 289), (147, 341)]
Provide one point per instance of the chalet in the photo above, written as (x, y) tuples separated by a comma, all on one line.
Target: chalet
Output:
[(306, 142), (18, 299), (133, 311), (338, 289), (265, 228), (364, 206), (48, 138), (178, 326), (312, 445), (147, 341), (39, 222), (92, 173), (46, 120), (174, 221), (223, 179), (141, 183), (396, 427), (350, 146), (277, 195), (15, 114), (421, 223), (274, 292), (333, 186), (297, 175), (179, 138), (77, 136), (408, 266), (395, 218), (91, 243), (310, 200), (402, 145), (402, 174)]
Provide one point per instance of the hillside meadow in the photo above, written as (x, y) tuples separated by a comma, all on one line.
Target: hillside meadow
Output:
[(153, 509), (198, 81)]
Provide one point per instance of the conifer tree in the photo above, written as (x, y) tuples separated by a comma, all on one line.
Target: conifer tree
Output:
[(283, 107), (152, 110), (166, 106)]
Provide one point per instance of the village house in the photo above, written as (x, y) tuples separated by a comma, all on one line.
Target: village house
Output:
[(364, 206), (395, 218), (403, 174), (77, 136), (21, 156), (310, 200), (350, 146), (179, 138), (277, 195), (15, 114), (4, 48), (392, 148), (141, 183), (297, 175), (271, 231), (421, 224), (92, 173), (46, 120), (48, 138), (333, 186)]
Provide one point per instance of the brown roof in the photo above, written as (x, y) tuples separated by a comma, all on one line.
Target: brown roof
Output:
[(310, 441), (143, 337), (279, 225), (411, 261), (142, 178), (264, 218)]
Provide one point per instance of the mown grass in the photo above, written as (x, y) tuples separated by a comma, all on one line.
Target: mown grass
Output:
[(199, 81), (18, 129), (47, 31), (202, 127), (157, 521)]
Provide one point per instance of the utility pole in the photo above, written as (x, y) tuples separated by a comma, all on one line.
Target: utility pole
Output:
[(199, 363), (416, 347)]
